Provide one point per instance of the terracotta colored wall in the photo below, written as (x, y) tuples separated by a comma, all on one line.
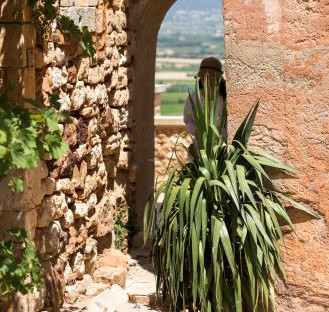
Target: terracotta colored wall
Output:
[(278, 51)]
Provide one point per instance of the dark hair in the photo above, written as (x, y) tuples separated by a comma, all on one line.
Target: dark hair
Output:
[(222, 88)]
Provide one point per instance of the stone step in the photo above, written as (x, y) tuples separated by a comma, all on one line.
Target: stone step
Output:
[(141, 281)]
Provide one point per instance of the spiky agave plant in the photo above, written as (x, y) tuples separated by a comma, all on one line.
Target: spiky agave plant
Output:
[(216, 239)]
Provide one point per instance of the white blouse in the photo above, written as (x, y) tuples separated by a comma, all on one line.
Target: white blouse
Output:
[(189, 119)]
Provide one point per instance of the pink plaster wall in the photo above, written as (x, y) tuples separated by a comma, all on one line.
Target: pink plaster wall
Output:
[(278, 51)]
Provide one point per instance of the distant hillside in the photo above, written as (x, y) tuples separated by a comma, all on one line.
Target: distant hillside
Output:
[(192, 29)]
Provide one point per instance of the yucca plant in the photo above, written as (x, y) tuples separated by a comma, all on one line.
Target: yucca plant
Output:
[(216, 239)]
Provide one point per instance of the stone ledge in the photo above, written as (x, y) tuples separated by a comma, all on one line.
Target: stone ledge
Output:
[(160, 88), (169, 121)]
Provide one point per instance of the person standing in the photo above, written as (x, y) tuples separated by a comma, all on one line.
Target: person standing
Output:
[(212, 68)]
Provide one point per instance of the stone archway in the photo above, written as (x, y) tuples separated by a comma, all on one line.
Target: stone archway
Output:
[(147, 18), (149, 15)]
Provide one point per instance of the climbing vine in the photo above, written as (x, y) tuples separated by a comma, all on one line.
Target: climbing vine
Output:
[(45, 13), (26, 136), (121, 230), (19, 264)]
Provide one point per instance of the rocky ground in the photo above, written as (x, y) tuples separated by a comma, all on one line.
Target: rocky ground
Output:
[(112, 291)]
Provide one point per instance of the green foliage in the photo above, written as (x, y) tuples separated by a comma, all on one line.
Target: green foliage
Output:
[(26, 136), (216, 239), (44, 13), (121, 227), (73, 32), (20, 266)]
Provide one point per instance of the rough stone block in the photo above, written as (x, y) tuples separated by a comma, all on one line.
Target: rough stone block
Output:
[(111, 299), (52, 207), (95, 75), (95, 288), (33, 190), (64, 185), (117, 4), (53, 56), (58, 76), (15, 40), (49, 240), (82, 16), (86, 3), (122, 39), (110, 275), (103, 217), (67, 3), (120, 21), (123, 160), (80, 210), (78, 97), (100, 25), (114, 258), (79, 265), (113, 144)]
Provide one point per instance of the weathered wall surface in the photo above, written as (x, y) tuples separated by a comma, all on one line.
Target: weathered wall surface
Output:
[(70, 204), (278, 51), (275, 50)]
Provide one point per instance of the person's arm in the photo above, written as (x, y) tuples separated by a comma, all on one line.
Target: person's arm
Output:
[(223, 94), (188, 116), (220, 109)]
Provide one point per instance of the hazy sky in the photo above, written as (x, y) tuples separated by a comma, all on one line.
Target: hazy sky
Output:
[(197, 4)]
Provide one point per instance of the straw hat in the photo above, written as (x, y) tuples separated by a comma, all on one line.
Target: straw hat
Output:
[(211, 63)]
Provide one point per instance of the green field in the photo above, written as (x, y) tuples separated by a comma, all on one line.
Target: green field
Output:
[(172, 101), (171, 109), (174, 97)]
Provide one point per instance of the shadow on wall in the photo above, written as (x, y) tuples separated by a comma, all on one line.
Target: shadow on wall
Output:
[(17, 39), (17, 42)]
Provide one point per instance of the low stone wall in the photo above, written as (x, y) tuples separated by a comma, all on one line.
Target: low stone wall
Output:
[(169, 133)]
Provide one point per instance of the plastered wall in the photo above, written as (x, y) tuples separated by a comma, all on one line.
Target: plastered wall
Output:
[(278, 51)]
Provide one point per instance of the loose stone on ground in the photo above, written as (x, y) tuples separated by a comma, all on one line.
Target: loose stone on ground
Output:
[(136, 292)]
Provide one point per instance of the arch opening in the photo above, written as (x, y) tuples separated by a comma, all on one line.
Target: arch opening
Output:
[(191, 31), (150, 15)]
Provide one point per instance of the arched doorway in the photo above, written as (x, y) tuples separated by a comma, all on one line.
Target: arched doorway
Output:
[(149, 15)]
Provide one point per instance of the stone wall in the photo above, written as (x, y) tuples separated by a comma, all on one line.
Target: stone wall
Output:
[(166, 138), (69, 205), (278, 51), (275, 50)]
